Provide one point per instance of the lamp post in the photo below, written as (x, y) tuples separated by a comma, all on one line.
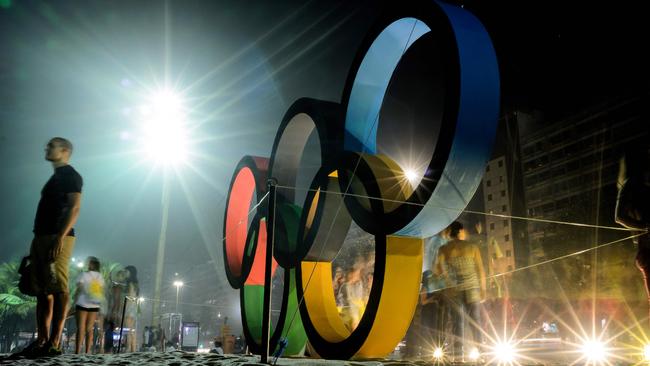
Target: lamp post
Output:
[(163, 140), (178, 285)]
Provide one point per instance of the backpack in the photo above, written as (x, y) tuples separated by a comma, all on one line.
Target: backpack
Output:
[(26, 284)]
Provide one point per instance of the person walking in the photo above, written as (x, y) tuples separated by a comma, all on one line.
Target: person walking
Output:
[(88, 299), (460, 264)]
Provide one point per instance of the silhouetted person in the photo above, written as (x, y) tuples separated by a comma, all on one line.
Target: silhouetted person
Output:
[(129, 289), (633, 203), (432, 299), (351, 295), (460, 264), (217, 347), (52, 247), (109, 327)]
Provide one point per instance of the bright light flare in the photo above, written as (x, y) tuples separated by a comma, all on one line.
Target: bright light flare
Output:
[(646, 353), (178, 283), (505, 352), (438, 354), (411, 175), (164, 134), (80, 265), (474, 354), (594, 350)]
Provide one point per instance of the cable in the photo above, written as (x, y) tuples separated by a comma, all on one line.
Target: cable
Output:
[(533, 219)]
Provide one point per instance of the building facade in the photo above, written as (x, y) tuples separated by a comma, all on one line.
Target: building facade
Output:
[(498, 228), (570, 170)]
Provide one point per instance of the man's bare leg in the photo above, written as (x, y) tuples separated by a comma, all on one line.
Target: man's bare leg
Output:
[(60, 309), (44, 304)]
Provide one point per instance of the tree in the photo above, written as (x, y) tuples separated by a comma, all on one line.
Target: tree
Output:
[(14, 306), (12, 301)]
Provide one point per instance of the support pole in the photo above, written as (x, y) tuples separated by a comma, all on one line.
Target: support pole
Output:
[(162, 240), (119, 344), (266, 316)]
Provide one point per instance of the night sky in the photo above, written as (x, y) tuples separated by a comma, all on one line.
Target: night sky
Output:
[(80, 69)]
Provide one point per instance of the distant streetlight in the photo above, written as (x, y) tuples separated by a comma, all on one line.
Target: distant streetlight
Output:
[(178, 285)]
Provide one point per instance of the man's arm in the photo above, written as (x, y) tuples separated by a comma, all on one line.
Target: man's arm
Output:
[(480, 270), (627, 212), (74, 204), (440, 264), (629, 216)]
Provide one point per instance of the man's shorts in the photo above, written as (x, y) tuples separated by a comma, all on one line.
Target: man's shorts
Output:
[(50, 277)]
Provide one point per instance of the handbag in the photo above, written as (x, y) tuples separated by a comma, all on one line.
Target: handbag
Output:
[(25, 284)]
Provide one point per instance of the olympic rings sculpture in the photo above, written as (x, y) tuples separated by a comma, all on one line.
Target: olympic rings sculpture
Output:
[(426, 80)]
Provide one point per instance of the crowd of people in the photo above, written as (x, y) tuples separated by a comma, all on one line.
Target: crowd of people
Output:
[(352, 288), (98, 309), (452, 293), (453, 280), (453, 288)]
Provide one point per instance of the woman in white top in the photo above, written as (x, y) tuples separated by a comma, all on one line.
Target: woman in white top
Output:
[(88, 299)]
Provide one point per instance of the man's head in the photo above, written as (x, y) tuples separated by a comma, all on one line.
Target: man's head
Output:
[(93, 264), (634, 164), (456, 231), (58, 150)]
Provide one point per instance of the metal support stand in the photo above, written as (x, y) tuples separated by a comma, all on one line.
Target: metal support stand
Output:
[(266, 316), (119, 344)]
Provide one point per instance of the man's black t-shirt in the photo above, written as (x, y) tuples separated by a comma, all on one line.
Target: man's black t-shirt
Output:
[(53, 206)]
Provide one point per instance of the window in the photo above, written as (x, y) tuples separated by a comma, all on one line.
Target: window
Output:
[(489, 197), (487, 169), (488, 183), (500, 163), (504, 208), (503, 193), (501, 179), (508, 253), (505, 223), (507, 237), (492, 226)]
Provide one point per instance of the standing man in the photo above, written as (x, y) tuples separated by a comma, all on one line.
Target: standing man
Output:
[(460, 264), (633, 204), (52, 247)]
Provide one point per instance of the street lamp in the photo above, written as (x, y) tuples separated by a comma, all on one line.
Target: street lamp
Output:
[(163, 140), (178, 285), (163, 128)]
